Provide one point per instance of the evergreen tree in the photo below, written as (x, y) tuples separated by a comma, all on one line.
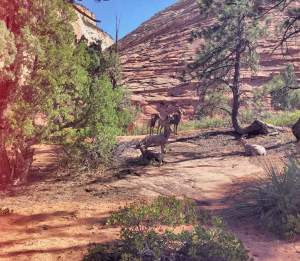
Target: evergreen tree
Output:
[(284, 90), (63, 82), (229, 44), (7, 57)]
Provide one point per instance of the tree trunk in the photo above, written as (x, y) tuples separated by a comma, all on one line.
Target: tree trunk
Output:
[(236, 88), (257, 127)]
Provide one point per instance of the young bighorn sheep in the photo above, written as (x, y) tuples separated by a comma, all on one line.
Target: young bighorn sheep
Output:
[(253, 149), (151, 155), (158, 139), (152, 122), (175, 119)]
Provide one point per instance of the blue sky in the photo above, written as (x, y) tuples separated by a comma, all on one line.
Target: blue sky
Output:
[(131, 13)]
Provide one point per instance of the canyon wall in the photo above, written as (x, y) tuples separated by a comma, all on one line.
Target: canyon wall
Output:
[(154, 56), (89, 29)]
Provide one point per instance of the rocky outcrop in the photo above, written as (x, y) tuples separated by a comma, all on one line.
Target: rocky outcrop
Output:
[(89, 29), (155, 55)]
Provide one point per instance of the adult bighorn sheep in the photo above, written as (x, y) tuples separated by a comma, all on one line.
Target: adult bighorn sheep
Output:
[(152, 122), (175, 119), (162, 123), (253, 149), (158, 139)]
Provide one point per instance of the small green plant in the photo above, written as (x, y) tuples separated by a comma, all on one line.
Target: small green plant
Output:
[(205, 123), (274, 200), (148, 233), (283, 118)]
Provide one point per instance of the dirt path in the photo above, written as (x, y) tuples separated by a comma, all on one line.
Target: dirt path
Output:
[(61, 212)]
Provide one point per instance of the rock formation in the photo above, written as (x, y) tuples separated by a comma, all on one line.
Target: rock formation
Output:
[(89, 29), (155, 54)]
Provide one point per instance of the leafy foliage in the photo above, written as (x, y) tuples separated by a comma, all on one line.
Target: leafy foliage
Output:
[(283, 118), (274, 200), (284, 90), (213, 101), (62, 89), (146, 235), (162, 211), (7, 51)]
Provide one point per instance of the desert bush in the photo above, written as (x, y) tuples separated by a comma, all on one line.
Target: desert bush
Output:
[(213, 101), (283, 118), (274, 200), (277, 118), (205, 123), (283, 90), (167, 211), (247, 116), (148, 232), (212, 244)]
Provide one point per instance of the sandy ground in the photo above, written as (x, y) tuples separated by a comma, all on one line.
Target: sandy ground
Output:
[(60, 212)]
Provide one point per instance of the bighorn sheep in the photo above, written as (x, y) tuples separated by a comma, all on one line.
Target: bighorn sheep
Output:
[(152, 122), (162, 123), (253, 149), (151, 155), (175, 119), (158, 139)]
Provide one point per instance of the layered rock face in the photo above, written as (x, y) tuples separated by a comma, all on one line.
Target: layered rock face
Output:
[(89, 29), (155, 55)]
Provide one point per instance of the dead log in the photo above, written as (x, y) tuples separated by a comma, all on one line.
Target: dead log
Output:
[(258, 127), (296, 130)]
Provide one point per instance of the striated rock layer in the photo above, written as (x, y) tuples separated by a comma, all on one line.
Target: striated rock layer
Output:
[(89, 29), (155, 54)]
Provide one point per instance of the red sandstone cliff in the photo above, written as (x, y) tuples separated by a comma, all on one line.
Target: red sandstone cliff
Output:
[(89, 29), (155, 54)]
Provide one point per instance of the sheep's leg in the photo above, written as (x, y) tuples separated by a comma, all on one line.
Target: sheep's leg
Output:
[(159, 162), (160, 129), (162, 148)]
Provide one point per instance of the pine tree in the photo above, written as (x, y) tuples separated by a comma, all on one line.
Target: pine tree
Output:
[(229, 44)]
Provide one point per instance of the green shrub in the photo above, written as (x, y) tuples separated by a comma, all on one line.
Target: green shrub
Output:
[(208, 122), (148, 233), (205, 123), (283, 90), (247, 115), (213, 244), (274, 200), (163, 211), (283, 118)]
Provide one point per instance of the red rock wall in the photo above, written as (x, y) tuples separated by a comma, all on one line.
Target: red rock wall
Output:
[(155, 54), (89, 29)]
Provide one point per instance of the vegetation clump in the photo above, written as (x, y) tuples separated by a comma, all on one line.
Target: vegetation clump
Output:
[(274, 200), (58, 89), (150, 232)]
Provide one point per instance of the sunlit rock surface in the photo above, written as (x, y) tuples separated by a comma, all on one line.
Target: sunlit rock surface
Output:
[(155, 54)]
